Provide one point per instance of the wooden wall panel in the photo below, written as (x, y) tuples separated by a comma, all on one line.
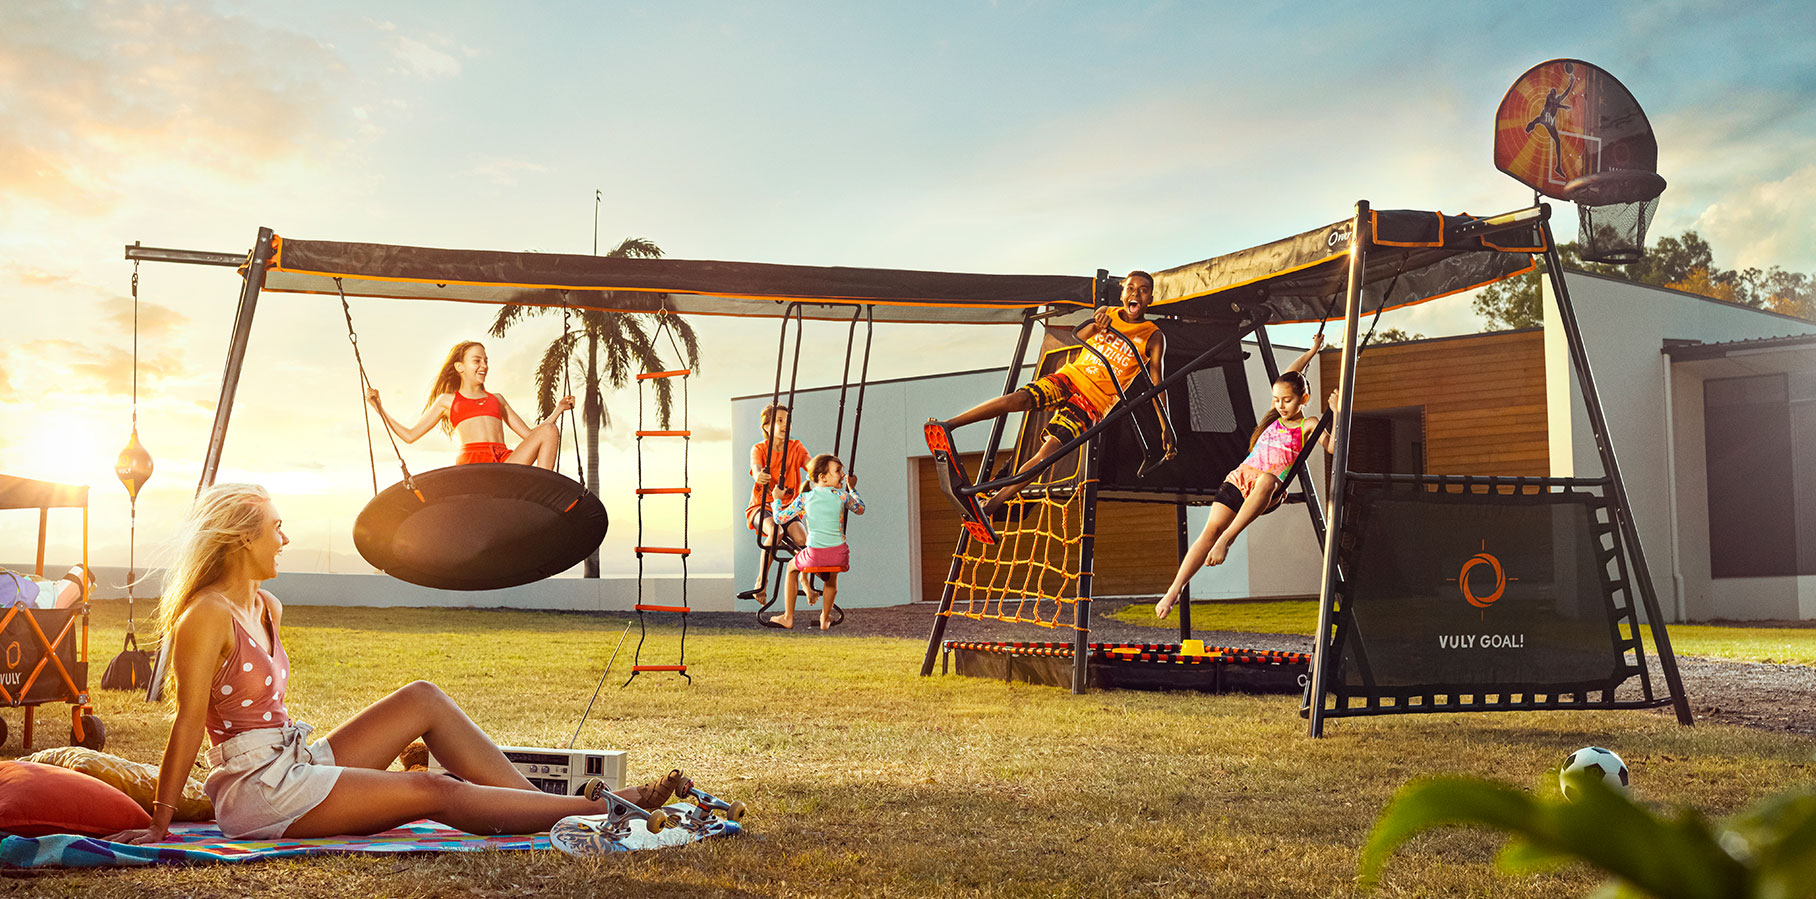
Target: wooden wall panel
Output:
[(1484, 398)]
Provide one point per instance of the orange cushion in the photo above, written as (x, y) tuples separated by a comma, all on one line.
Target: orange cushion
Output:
[(37, 800)]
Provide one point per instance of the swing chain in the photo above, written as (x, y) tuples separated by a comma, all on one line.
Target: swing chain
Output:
[(365, 384)]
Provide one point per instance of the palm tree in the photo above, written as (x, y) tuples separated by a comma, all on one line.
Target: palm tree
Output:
[(617, 345)]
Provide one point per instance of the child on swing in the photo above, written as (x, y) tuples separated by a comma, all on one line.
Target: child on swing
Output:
[(458, 400), (776, 471), (822, 506), (1251, 490)]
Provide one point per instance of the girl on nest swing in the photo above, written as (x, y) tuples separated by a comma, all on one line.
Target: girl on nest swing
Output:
[(458, 400)]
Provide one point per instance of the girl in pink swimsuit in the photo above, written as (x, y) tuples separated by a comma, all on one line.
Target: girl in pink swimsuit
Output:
[(459, 402), (268, 779), (1250, 490)]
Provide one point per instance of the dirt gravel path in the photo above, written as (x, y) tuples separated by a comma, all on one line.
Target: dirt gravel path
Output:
[(1754, 694)]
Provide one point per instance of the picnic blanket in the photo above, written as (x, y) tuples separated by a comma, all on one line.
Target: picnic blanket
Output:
[(202, 842)]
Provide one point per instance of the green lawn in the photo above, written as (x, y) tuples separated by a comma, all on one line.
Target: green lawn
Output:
[(865, 779), (1784, 645)]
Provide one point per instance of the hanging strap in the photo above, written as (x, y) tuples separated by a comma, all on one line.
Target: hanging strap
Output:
[(365, 384), (567, 389)]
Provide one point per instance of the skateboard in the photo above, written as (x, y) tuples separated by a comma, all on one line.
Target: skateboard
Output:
[(696, 815), (953, 483)]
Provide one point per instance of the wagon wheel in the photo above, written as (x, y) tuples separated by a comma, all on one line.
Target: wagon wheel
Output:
[(93, 731)]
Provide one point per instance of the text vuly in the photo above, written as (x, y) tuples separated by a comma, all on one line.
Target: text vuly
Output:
[(1481, 641)]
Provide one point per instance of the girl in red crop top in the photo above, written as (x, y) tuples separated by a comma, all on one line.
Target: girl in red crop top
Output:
[(268, 780), (460, 403)]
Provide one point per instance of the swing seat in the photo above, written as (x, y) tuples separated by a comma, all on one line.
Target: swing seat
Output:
[(484, 526)]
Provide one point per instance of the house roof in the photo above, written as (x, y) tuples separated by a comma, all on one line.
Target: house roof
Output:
[(1685, 350)]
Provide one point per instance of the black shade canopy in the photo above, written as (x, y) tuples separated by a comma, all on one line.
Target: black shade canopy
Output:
[(484, 526), (1297, 278)]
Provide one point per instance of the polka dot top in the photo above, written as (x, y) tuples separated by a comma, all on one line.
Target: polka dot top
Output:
[(248, 690)]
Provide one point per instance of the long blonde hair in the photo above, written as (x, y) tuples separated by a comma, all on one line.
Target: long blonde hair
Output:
[(225, 518), (447, 380)]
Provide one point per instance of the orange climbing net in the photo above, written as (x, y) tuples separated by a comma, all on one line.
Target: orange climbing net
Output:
[(1032, 573)]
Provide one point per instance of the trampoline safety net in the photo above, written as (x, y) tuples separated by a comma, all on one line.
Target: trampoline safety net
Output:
[(1484, 592)]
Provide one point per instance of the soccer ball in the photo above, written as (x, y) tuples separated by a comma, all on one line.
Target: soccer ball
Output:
[(1595, 760)]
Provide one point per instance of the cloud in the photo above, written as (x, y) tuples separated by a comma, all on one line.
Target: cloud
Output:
[(99, 97), (52, 367), (423, 61), (1765, 224), (503, 171)]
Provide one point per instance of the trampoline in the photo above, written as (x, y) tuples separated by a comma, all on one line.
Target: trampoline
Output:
[(1132, 666)]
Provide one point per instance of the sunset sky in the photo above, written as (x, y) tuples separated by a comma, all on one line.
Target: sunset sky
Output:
[(987, 137)]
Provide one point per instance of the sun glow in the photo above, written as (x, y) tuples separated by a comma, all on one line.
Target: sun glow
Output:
[(68, 450)]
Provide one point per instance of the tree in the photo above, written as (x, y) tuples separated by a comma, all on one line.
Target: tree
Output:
[(1685, 262), (1395, 335), (616, 346)]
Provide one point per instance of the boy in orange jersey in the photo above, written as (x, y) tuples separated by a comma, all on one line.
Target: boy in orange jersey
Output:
[(1080, 392)]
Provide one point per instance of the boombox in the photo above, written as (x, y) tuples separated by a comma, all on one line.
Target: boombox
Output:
[(562, 771)]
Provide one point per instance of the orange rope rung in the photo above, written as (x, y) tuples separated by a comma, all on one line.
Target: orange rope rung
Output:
[(646, 491), (671, 550), (678, 610), (665, 433), (665, 374)]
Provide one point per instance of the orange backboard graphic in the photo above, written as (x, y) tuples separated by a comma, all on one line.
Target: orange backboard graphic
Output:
[(1567, 118)]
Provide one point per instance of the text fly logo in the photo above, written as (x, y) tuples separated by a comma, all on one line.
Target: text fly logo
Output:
[(1470, 581)]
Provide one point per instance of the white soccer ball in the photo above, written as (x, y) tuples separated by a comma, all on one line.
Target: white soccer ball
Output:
[(1595, 760)]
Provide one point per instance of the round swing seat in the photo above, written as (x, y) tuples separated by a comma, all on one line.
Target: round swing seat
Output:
[(484, 526)]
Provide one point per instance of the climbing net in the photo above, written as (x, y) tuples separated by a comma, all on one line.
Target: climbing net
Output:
[(1031, 574)]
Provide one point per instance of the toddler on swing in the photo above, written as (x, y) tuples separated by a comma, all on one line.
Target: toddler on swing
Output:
[(822, 506)]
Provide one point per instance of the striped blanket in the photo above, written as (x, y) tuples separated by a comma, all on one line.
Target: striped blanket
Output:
[(202, 842)]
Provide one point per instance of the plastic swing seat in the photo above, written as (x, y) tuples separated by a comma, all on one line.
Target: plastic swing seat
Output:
[(484, 526)]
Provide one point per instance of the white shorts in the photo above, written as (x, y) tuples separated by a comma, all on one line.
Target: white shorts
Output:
[(265, 779)]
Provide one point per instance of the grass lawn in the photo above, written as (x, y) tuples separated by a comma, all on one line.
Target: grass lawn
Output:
[(865, 779), (1784, 645)]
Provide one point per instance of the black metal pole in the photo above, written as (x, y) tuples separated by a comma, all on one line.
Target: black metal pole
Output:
[(1185, 593), (236, 355), (1623, 512), (1323, 654)]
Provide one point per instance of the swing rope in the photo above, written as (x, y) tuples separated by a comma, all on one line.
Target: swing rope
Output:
[(365, 384)]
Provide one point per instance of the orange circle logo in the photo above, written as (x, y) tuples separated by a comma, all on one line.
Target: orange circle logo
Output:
[(1500, 580)]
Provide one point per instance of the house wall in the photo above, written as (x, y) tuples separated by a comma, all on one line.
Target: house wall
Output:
[(1624, 326)]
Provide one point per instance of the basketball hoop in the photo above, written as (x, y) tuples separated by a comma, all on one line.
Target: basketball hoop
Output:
[(1614, 186), (1613, 209)]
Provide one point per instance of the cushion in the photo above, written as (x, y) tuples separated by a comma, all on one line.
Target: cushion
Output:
[(135, 779), (39, 800)]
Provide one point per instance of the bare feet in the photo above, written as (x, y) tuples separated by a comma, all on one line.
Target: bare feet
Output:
[(782, 621), (826, 620), (1165, 605), (1219, 552)]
